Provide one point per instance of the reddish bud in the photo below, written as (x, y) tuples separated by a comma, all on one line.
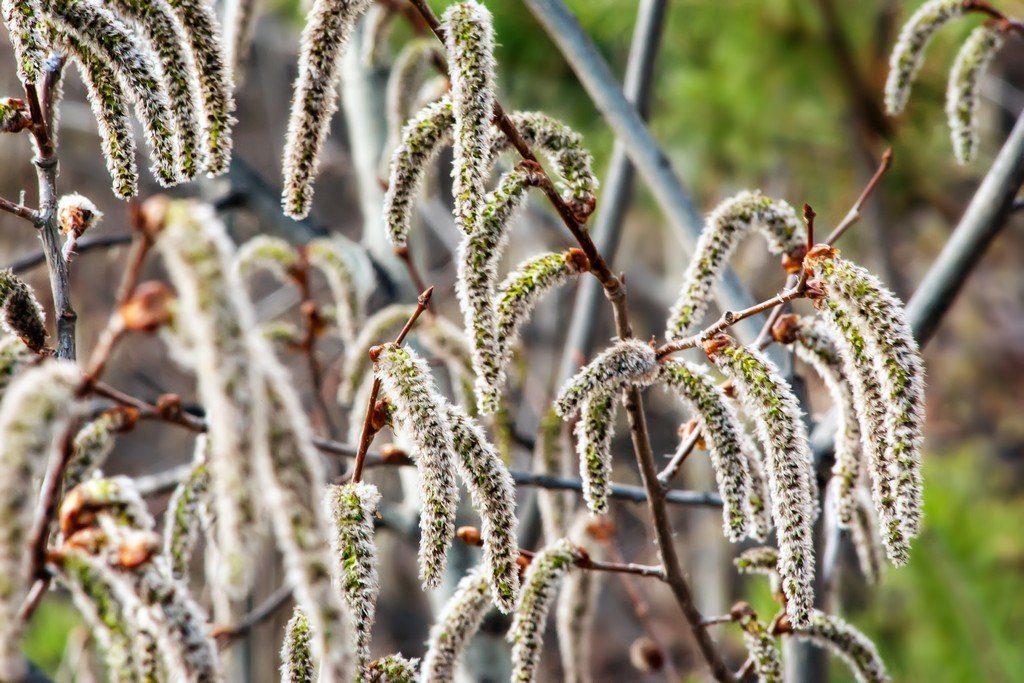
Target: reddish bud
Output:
[(786, 328), (646, 656), (148, 308), (469, 535)]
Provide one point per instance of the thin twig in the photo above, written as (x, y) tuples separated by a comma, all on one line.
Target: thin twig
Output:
[(19, 210), (226, 635), (86, 245)]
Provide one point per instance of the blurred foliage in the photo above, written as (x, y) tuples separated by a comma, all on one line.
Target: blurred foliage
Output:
[(48, 632)]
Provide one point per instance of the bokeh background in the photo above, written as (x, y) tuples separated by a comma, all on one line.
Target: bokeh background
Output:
[(782, 95)]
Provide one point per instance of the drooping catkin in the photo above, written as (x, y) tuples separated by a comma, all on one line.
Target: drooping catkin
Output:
[(239, 26), (760, 645), (908, 52), (268, 253), (406, 78), (129, 57), (723, 230), (898, 366), (455, 626), (394, 669), (110, 107), (577, 603), (36, 411), (325, 255), (871, 414), (215, 84), (155, 20), (373, 330), (768, 400), (420, 416), (185, 511), (297, 663), (817, 345), (20, 312), (290, 474), (722, 434), (758, 560), (421, 141), (540, 584), (863, 537), (14, 357), (516, 297), (315, 99), (214, 321), (493, 494), (550, 458), (594, 431), (115, 500), (469, 41), (478, 258), (759, 514), (628, 362), (859, 653), (93, 443), (352, 508), (23, 19), (963, 95), (376, 25)]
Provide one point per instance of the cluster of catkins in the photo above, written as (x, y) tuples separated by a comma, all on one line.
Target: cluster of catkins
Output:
[(164, 58), (963, 95)]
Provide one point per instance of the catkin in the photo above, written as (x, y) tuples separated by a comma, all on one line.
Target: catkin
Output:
[(297, 662), (963, 95), (185, 510), (92, 444), (404, 81), (239, 25), (760, 645), (594, 431), (577, 603), (394, 669), (455, 626), (23, 19), (908, 53), (14, 357), (20, 312), (268, 253), (859, 653), (325, 255), (550, 458), (628, 362)]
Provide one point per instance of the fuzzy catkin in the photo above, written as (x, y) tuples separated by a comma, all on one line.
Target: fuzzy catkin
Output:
[(469, 41), (576, 606), (629, 362), (297, 663), (420, 416), (594, 431), (239, 26), (540, 584), (91, 446), (375, 34), (723, 230), (118, 46), (963, 95), (14, 357), (407, 74), (269, 253), (394, 669), (898, 365), (351, 508), (215, 84), (759, 498), (185, 510), (758, 560), (214, 321), (36, 410), (493, 494), (20, 312), (325, 255), (23, 19), (455, 626), (421, 141), (155, 20), (721, 430), (550, 458), (374, 330), (109, 105), (516, 297), (768, 399), (908, 52), (859, 653), (762, 649), (315, 100), (862, 536)]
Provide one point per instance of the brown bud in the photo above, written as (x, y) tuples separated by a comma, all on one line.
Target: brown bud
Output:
[(169, 406), (73, 514), (715, 344), (728, 388), (601, 528), (578, 260), (686, 430), (123, 418), (782, 625), (152, 214), (375, 352), (646, 656), (582, 210), (148, 308), (740, 610), (786, 328), (14, 115), (469, 535), (393, 454), (522, 561), (822, 251), (816, 292), (380, 416), (794, 260), (137, 548), (90, 540)]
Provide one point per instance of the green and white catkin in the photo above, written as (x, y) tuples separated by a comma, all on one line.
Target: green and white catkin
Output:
[(214, 321), (493, 494), (759, 497), (469, 41), (315, 100), (156, 21), (110, 106), (963, 95), (130, 58), (14, 357), (36, 410), (540, 584), (859, 653), (268, 253), (421, 140), (215, 85), (23, 19), (420, 416), (594, 431), (576, 606), (20, 312), (760, 645), (404, 82), (516, 297), (325, 255), (758, 560), (375, 329), (550, 458), (239, 26), (458, 621), (768, 400), (722, 433), (394, 669), (908, 53), (91, 446), (628, 362), (891, 346), (723, 230), (185, 511), (352, 508), (297, 662)]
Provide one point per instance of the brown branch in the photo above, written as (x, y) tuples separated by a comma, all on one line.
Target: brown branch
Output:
[(19, 210), (39, 258)]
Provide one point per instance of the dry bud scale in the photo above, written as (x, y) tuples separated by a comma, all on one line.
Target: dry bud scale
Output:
[(908, 53), (768, 400), (963, 96)]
